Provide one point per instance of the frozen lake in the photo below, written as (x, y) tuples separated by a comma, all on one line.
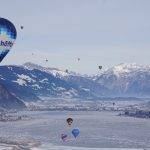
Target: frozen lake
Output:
[(97, 130)]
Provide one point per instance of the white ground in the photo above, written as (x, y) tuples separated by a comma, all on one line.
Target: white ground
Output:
[(97, 130)]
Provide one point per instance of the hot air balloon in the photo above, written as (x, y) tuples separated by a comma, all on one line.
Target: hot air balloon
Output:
[(75, 132), (69, 121), (22, 27), (67, 71), (100, 67), (63, 137), (8, 36)]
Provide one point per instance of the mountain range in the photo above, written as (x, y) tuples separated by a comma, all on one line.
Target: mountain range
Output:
[(126, 80), (30, 82)]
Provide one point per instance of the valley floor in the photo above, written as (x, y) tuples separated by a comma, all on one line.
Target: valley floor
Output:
[(97, 130)]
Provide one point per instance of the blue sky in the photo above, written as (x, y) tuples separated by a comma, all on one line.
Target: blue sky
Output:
[(100, 32)]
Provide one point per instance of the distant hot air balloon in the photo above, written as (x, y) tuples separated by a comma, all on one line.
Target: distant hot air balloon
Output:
[(75, 132), (22, 27), (63, 137), (100, 67), (8, 36), (67, 71), (69, 121)]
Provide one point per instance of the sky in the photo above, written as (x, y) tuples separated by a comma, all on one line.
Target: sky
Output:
[(99, 32)]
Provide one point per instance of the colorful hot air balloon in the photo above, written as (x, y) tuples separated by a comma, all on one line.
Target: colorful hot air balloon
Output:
[(8, 36), (75, 132), (69, 121), (64, 137)]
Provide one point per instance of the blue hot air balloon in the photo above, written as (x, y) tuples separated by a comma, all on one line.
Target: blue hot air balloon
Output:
[(75, 132), (8, 36)]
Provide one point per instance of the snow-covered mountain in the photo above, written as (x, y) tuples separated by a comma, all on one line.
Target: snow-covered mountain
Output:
[(8, 100), (31, 81), (53, 71), (83, 82), (126, 80)]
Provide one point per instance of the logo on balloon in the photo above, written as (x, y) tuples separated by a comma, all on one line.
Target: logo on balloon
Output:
[(6, 43), (8, 36)]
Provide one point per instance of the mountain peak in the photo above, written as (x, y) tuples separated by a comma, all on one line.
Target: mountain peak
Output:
[(31, 65), (124, 68), (50, 70)]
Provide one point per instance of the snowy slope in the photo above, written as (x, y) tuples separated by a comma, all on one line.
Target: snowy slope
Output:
[(126, 80), (54, 71), (29, 83), (84, 82)]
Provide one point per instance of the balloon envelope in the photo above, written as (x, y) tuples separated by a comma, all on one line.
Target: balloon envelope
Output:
[(63, 137), (69, 121), (100, 67), (75, 132), (8, 36)]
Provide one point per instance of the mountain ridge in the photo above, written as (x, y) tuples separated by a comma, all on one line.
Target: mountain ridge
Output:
[(31, 81)]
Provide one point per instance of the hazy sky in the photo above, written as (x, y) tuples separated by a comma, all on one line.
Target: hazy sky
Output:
[(100, 32)]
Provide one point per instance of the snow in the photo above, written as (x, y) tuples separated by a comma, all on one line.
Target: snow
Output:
[(1, 77), (20, 82), (10, 68), (124, 69), (54, 147), (85, 89), (60, 89), (45, 80), (73, 92), (36, 86), (58, 72), (128, 68), (98, 131), (53, 71), (53, 84), (25, 77)]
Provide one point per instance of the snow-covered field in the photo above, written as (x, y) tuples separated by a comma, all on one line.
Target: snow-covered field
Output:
[(97, 130)]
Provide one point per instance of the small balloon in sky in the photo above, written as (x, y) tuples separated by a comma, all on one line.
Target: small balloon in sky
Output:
[(67, 71), (22, 27), (75, 132), (100, 67), (8, 35)]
